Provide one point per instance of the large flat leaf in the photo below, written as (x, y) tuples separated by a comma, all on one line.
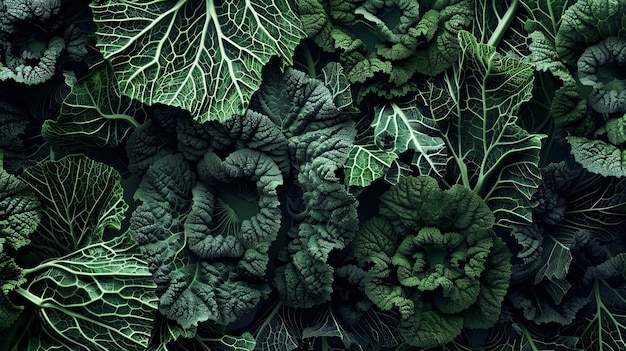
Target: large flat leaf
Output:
[(203, 56), (93, 115), (393, 130), (606, 330), (80, 198), (556, 262), (366, 163), (402, 127), (488, 151), (337, 82), (98, 298)]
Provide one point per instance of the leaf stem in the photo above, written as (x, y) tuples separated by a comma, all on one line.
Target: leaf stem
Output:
[(37, 301), (310, 63), (504, 24), (268, 320)]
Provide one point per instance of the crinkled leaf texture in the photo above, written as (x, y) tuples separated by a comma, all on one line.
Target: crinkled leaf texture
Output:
[(20, 210), (585, 23), (208, 257), (35, 52), (20, 214), (11, 277), (157, 225), (594, 69), (384, 44), (320, 137), (207, 266), (230, 218), (598, 156), (432, 254), (254, 131), (98, 298), (580, 43), (564, 103), (205, 57)]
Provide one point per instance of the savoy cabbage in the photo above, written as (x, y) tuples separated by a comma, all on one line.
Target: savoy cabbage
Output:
[(322, 175)]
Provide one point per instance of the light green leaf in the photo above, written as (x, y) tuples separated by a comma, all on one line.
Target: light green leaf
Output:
[(337, 82), (367, 163), (205, 57), (93, 115), (398, 128), (99, 298), (598, 157)]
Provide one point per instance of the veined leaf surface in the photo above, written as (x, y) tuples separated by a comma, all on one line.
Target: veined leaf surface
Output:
[(366, 163), (402, 127), (488, 151), (203, 56)]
